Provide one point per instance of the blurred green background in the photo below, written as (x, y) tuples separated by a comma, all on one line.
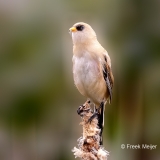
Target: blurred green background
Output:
[(38, 99)]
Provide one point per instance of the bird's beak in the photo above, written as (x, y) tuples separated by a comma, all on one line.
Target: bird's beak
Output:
[(73, 29)]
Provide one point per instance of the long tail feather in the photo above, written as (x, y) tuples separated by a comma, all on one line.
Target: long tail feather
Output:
[(101, 121)]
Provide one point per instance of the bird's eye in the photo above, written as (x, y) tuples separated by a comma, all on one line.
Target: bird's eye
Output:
[(80, 27)]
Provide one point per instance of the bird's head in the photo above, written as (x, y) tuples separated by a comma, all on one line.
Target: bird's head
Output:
[(82, 33)]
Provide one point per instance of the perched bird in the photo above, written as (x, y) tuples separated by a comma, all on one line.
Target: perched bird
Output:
[(91, 68)]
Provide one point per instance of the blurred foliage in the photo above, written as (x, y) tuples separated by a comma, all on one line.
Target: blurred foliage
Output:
[(38, 99)]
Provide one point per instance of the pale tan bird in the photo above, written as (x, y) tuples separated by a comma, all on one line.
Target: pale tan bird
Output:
[(91, 68)]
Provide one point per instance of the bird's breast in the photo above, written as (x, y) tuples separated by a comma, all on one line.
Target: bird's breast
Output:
[(87, 76), (85, 70)]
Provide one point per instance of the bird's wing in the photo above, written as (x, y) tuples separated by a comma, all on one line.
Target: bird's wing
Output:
[(108, 77)]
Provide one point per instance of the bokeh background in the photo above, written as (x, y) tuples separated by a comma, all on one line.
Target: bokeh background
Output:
[(38, 99)]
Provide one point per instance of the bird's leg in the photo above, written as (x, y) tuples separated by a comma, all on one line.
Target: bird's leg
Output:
[(97, 112), (100, 107)]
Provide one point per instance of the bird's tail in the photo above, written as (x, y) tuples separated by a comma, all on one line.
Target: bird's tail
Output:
[(101, 120)]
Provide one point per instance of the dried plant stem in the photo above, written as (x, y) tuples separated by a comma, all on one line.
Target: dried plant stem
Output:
[(89, 147)]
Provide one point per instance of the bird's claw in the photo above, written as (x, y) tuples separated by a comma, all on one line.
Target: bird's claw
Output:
[(95, 114)]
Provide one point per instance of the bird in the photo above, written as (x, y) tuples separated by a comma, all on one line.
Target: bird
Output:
[(92, 71)]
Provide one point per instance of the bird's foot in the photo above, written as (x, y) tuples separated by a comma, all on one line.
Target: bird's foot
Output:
[(100, 107), (95, 114)]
